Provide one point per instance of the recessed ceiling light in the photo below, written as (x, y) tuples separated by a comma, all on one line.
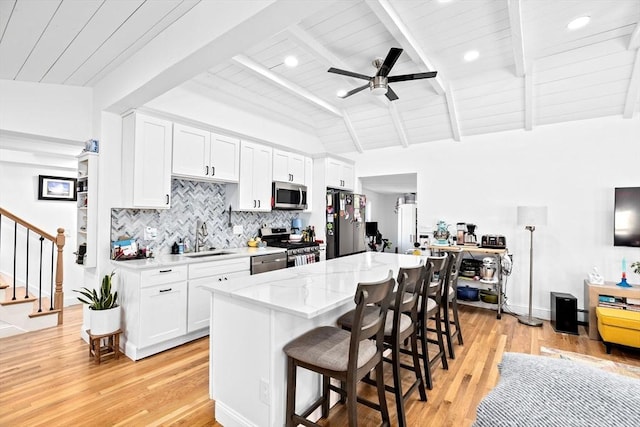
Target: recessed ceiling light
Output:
[(444, 1), (578, 22), (472, 55), (341, 93), (291, 61)]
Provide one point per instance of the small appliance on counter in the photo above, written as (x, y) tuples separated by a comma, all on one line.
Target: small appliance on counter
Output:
[(493, 241), (488, 270), (470, 237)]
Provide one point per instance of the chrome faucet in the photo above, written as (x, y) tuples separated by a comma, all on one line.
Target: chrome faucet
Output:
[(201, 233)]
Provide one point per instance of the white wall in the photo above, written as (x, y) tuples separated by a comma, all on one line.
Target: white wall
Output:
[(571, 168), (188, 103), (44, 109)]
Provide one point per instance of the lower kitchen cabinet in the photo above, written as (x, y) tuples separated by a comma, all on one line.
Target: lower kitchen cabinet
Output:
[(163, 312), (199, 311)]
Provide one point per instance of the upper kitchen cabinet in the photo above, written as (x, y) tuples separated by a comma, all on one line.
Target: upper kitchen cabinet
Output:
[(339, 174), (253, 192), (146, 162), (288, 167), (308, 181), (202, 155)]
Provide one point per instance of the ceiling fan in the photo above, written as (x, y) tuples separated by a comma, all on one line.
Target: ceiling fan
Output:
[(379, 83)]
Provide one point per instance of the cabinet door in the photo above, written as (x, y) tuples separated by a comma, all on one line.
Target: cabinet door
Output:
[(190, 152), (163, 312), (254, 189), (225, 158), (262, 176), (334, 173), (199, 306), (281, 166), (348, 176), (296, 168), (152, 163)]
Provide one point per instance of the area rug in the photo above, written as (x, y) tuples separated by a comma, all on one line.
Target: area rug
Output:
[(540, 391), (596, 362)]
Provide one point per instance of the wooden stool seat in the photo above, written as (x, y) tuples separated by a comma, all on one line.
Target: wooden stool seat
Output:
[(110, 348)]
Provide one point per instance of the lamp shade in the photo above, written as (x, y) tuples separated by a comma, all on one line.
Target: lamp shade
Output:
[(532, 215)]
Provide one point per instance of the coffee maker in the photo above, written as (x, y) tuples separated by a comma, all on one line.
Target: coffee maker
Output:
[(470, 237)]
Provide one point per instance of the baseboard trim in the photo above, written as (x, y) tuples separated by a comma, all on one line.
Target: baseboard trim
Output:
[(230, 418)]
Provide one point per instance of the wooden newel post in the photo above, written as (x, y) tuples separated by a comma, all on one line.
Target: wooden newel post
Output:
[(59, 295)]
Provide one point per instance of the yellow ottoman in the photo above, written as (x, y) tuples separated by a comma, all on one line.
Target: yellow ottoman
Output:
[(618, 326)]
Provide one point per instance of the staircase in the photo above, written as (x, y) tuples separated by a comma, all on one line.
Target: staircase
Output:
[(30, 273)]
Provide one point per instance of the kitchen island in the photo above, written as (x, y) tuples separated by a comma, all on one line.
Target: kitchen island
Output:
[(252, 318)]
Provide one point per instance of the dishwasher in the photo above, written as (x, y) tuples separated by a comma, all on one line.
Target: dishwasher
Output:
[(263, 263)]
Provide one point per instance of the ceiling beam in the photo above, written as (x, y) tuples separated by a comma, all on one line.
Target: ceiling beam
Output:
[(390, 19), (453, 114), (352, 132), (285, 84), (517, 38), (395, 117), (634, 41), (633, 91)]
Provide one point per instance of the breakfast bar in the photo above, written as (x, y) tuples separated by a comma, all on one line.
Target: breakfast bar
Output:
[(252, 318)]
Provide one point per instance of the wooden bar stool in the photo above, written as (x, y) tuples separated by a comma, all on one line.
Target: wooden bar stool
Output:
[(430, 309), (346, 356), (401, 324), (450, 303), (111, 346)]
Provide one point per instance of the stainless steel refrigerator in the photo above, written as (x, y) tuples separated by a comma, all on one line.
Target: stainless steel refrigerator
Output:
[(345, 223)]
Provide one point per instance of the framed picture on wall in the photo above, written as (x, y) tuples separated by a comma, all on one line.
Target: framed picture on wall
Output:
[(56, 188)]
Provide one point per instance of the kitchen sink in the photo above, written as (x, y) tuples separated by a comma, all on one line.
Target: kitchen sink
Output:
[(207, 254)]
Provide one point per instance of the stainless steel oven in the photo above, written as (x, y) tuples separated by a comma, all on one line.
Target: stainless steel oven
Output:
[(289, 196)]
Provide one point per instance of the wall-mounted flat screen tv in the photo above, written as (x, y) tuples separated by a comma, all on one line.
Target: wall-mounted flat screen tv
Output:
[(626, 217)]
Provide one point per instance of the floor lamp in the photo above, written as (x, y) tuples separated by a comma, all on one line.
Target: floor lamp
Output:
[(530, 216)]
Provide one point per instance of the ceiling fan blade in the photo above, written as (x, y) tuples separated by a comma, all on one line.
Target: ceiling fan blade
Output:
[(414, 76), (391, 95), (356, 90), (348, 73), (389, 61)]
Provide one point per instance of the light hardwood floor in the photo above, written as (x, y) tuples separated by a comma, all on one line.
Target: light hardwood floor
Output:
[(47, 378)]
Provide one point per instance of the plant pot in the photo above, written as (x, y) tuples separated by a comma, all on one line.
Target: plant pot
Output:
[(104, 321)]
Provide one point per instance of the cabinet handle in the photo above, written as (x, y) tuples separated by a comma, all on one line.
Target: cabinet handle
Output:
[(258, 203), (225, 278), (165, 290), (167, 199), (206, 170), (213, 170), (166, 271), (254, 203), (219, 279)]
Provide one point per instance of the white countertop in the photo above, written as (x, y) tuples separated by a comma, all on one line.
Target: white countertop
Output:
[(170, 260), (310, 290)]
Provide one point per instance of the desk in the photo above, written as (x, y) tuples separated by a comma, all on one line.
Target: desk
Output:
[(499, 284), (593, 291)]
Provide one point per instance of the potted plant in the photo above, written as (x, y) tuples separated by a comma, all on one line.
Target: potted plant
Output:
[(104, 311)]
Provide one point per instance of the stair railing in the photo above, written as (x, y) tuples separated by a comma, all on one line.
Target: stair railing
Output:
[(56, 297)]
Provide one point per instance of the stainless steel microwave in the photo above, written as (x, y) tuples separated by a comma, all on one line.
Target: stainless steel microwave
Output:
[(288, 196)]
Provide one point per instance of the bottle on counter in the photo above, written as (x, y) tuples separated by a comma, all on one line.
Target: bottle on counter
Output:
[(180, 247)]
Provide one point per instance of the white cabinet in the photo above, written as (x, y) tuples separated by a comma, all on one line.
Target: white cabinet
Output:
[(340, 174), (253, 192), (288, 167), (154, 305), (163, 312), (87, 212), (198, 307), (203, 155), (146, 162)]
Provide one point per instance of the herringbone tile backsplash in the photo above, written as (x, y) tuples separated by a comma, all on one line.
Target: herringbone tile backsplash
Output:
[(190, 201)]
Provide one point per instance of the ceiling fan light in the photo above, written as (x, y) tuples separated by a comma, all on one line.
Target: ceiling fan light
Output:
[(378, 86), (578, 22), (341, 93)]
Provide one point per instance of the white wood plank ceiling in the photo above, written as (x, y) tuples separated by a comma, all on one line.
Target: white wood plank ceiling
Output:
[(531, 69)]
